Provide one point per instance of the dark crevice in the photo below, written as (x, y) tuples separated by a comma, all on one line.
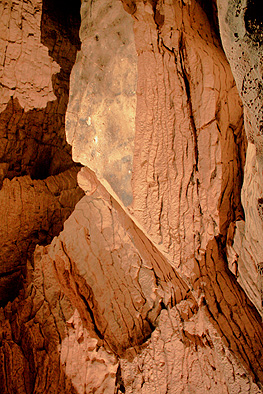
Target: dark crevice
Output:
[(91, 314), (254, 20), (189, 100), (119, 385), (210, 8)]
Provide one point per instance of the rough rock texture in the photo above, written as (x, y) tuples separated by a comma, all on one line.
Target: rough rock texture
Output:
[(37, 54), (44, 336), (23, 56), (151, 297), (100, 122), (32, 212), (185, 357), (241, 28), (188, 165)]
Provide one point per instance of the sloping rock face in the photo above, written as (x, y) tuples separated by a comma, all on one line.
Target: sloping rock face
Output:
[(145, 290), (32, 212), (102, 292)]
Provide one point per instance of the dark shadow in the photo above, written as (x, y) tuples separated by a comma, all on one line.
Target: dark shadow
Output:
[(254, 20)]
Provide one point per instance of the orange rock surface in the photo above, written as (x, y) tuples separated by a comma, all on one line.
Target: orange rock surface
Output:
[(151, 282)]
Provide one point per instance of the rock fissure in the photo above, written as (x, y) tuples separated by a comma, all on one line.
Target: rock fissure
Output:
[(181, 49), (154, 281)]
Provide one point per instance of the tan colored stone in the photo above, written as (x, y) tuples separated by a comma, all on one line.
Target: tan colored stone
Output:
[(100, 122), (33, 102), (190, 142), (102, 287), (185, 356), (142, 299)]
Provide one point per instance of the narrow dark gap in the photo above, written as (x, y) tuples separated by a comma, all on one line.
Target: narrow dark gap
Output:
[(119, 385)]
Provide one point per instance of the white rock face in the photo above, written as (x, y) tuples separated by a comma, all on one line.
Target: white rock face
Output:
[(100, 121)]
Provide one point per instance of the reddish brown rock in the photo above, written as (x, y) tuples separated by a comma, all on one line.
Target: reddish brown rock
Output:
[(141, 299), (32, 212), (190, 143), (37, 54), (102, 290)]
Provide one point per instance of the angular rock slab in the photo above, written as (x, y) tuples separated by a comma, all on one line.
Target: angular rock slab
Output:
[(101, 112)]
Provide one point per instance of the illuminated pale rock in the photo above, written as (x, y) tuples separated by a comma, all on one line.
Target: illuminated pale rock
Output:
[(142, 299), (100, 120)]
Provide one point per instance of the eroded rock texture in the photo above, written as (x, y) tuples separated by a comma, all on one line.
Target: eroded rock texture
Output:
[(241, 31), (101, 113), (32, 212), (154, 284), (103, 279), (37, 54)]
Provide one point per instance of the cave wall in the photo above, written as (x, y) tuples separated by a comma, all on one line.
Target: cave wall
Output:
[(154, 284), (37, 54), (241, 31)]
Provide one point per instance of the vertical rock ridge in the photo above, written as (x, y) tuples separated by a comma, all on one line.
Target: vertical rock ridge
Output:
[(154, 284)]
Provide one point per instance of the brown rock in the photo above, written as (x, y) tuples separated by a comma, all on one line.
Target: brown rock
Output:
[(37, 54), (190, 144), (141, 298), (32, 212), (103, 285)]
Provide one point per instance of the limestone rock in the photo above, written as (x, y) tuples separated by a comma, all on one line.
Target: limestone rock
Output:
[(45, 347), (185, 356), (102, 291), (241, 31), (190, 142), (100, 123), (40, 51), (23, 56), (37, 53), (154, 284)]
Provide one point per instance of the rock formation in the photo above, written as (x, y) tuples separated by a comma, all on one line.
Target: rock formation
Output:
[(154, 285), (37, 54)]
